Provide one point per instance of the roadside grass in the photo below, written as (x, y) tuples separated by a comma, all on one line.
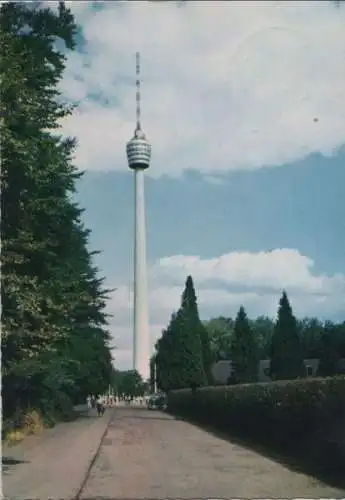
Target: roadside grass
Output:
[(24, 424)]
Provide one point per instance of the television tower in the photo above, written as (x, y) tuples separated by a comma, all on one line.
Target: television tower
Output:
[(139, 154)]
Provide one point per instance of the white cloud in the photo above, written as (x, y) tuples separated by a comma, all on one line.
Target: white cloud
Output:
[(254, 280), (277, 268), (226, 85)]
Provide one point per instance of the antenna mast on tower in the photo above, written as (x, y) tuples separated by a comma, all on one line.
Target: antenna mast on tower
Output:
[(138, 111)]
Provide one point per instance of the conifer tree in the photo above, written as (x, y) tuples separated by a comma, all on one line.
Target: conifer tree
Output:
[(167, 357), (330, 355), (286, 350), (189, 308), (244, 350), (179, 351), (152, 382)]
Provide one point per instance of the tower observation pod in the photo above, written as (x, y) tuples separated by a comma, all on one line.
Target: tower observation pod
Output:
[(138, 151), (139, 155), (138, 148)]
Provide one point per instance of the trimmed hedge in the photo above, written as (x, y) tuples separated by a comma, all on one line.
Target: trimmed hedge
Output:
[(283, 412)]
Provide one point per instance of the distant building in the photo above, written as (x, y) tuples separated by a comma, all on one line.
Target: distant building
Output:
[(222, 370)]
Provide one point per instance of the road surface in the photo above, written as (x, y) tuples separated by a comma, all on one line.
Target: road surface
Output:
[(137, 454)]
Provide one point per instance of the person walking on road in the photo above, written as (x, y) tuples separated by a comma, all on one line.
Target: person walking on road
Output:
[(100, 406), (88, 401), (93, 402)]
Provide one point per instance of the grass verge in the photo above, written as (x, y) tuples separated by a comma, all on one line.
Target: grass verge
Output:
[(30, 422)]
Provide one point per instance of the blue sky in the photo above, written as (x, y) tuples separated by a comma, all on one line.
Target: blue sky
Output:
[(244, 105)]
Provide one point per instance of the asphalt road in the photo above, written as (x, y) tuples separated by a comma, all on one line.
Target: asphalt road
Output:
[(152, 455), (132, 453)]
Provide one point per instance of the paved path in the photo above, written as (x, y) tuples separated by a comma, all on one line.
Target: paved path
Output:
[(55, 463), (150, 455)]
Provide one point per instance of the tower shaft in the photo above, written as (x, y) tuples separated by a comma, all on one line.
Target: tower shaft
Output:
[(139, 154), (141, 348)]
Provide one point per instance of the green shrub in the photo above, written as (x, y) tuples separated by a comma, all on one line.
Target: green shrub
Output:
[(51, 409), (283, 412), (64, 407), (21, 425)]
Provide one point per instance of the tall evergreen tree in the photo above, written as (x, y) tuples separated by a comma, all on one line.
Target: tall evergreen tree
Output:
[(53, 323), (179, 356), (244, 350), (189, 309), (330, 355), (187, 370), (153, 372), (286, 349), (165, 356), (180, 362)]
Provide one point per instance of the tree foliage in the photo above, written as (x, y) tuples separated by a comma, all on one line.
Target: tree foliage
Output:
[(54, 335), (244, 350), (129, 384), (331, 353), (152, 378), (245, 341), (183, 348), (189, 308), (220, 331), (312, 333), (286, 350)]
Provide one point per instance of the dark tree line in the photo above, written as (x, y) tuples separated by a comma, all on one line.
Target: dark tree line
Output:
[(317, 338), (55, 342), (128, 383), (188, 348)]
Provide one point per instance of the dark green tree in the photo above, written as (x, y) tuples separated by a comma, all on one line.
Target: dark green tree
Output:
[(286, 350), (310, 332), (190, 313), (220, 331), (180, 357), (187, 370), (152, 381), (330, 353), (168, 359), (164, 358), (53, 322), (244, 350), (263, 328), (131, 384)]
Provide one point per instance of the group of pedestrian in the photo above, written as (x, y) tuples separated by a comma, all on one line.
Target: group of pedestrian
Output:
[(134, 401), (100, 403), (96, 402)]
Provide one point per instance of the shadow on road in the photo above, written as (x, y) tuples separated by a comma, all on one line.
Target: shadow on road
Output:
[(12, 461), (9, 462), (83, 416), (87, 414), (327, 470), (149, 417), (142, 413)]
